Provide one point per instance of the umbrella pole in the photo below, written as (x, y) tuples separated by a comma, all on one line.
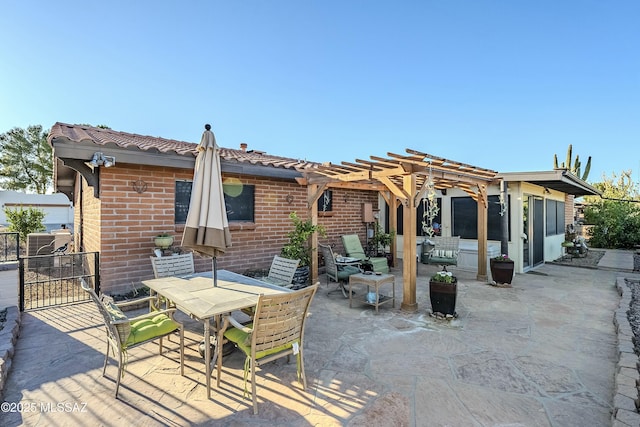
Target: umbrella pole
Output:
[(214, 265)]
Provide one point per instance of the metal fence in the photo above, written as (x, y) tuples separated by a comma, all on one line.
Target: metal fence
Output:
[(9, 247), (50, 280)]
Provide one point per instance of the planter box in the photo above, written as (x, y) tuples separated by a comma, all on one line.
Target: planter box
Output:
[(502, 271), (443, 297)]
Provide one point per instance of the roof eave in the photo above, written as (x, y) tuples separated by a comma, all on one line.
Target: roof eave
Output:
[(557, 179)]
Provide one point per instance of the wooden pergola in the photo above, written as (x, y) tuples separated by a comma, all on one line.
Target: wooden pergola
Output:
[(403, 179)]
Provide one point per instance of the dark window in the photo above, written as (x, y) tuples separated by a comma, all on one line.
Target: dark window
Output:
[(464, 211), (559, 217), (555, 217), (325, 202), (183, 194), (419, 219), (239, 200)]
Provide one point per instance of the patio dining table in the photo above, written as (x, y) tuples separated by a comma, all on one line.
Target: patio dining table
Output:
[(196, 296)]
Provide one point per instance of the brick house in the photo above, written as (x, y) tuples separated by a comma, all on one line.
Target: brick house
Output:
[(137, 186)]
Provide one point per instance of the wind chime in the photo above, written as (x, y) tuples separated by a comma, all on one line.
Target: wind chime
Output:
[(429, 206)]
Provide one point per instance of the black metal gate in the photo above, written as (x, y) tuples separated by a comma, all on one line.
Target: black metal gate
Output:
[(50, 280), (9, 247)]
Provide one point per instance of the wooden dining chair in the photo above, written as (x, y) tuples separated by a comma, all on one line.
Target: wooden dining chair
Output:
[(276, 330), (282, 271), (174, 265)]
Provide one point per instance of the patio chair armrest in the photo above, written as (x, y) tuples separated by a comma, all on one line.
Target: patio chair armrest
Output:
[(135, 301), (238, 325)]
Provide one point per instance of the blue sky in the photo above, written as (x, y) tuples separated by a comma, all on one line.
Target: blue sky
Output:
[(503, 85)]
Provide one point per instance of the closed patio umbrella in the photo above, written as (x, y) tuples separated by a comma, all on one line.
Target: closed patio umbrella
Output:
[(207, 228)]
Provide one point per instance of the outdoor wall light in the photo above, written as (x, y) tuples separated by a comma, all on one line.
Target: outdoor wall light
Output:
[(99, 159)]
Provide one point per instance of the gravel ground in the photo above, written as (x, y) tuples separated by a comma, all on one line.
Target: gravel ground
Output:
[(590, 260)]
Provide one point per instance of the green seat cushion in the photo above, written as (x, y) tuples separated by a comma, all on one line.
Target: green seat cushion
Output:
[(346, 271), (151, 327), (243, 341), (380, 265)]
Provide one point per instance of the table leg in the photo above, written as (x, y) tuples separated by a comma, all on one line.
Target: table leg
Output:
[(393, 293), (219, 348), (350, 294), (207, 355)]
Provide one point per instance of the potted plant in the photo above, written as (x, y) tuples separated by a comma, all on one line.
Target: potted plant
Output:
[(381, 241), (443, 289), (298, 246), (501, 269), (163, 240)]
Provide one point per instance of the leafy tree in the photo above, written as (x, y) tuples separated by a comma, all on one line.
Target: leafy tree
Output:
[(25, 220), (97, 126), (618, 187), (615, 218), (26, 162)]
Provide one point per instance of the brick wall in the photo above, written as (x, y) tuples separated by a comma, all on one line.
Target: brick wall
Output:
[(569, 209), (122, 223)]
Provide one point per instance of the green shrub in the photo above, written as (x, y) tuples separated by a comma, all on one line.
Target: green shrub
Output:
[(25, 221), (298, 245), (615, 224)]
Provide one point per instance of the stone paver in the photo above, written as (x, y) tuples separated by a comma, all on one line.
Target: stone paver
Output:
[(541, 353)]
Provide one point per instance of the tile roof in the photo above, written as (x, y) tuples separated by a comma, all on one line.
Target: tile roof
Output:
[(99, 136)]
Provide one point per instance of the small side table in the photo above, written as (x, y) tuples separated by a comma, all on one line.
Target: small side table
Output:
[(374, 281)]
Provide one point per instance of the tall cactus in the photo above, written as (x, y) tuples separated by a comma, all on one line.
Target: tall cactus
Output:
[(587, 168), (576, 166), (569, 156)]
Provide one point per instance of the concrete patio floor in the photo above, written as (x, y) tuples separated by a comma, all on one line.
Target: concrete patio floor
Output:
[(541, 353)]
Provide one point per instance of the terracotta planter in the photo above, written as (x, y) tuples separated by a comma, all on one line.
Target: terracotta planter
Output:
[(443, 297), (502, 271)]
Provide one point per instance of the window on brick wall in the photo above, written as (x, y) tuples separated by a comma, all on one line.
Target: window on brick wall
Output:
[(325, 202), (239, 200)]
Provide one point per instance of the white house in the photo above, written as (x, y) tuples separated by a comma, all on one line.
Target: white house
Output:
[(539, 207), (57, 207)]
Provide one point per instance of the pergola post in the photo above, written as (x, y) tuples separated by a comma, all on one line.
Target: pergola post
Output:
[(483, 207), (409, 300), (312, 190), (393, 221)]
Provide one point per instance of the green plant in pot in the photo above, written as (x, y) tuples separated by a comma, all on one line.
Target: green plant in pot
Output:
[(502, 269), (381, 241), (443, 290), (298, 246)]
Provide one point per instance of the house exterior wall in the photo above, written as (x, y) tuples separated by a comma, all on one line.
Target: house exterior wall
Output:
[(569, 209), (121, 224), (517, 191), (57, 208)]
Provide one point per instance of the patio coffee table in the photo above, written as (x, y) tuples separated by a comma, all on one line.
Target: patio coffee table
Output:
[(374, 281)]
